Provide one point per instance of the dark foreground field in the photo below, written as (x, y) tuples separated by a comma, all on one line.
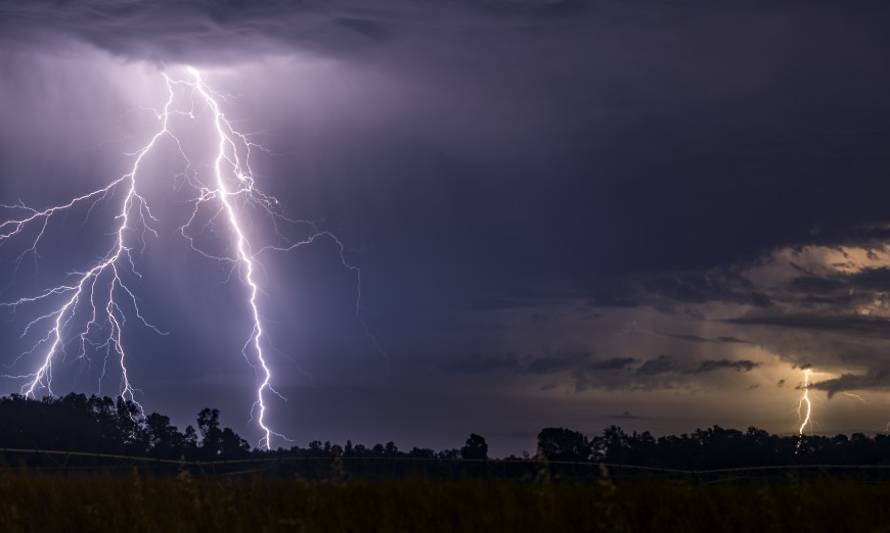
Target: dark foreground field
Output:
[(90, 502)]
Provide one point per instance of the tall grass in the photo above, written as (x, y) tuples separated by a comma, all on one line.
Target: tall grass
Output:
[(134, 502)]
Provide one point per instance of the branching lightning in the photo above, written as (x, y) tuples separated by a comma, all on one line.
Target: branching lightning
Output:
[(94, 304)]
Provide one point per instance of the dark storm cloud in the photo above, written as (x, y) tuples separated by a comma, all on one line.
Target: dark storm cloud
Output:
[(662, 364), (610, 293), (657, 373), (739, 365), (873, 327), (700, 339), (694, 212), (583, 364), (877, 279), (172, 30), (535, 365), (549, 365), (587, 372), (670, 289), (188, 30), (688, 164), (615, 363), (840, 290), (836, 311), (873, 380), (816, 284), (715, 286)]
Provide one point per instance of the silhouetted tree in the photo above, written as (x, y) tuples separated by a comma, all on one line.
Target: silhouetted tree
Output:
[(422, 453), (448, 454), (76, 422), (190, 438), (475, 448), (391, 450), (211, 434), (164, 439), (231, 445), (560, 444)]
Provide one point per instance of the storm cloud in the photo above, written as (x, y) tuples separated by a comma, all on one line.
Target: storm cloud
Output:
[(879, 380), (207, 30), (572, 207)]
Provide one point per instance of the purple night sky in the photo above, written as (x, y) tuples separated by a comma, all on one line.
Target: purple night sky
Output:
[(566, 212)]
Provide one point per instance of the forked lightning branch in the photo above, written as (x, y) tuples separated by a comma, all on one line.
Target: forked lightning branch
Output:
[(89, 309)]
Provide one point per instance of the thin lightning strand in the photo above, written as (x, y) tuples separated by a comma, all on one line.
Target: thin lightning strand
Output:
[(855, 396), (804, 405), (232, 180)]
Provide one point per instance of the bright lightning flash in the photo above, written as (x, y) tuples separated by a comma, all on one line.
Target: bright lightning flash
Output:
[(804, 405), (96, 299)]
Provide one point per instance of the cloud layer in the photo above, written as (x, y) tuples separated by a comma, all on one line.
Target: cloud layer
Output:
[(572, 207)]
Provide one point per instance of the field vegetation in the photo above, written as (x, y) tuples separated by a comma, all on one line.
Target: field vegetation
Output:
[(93, 464), (138, 503)]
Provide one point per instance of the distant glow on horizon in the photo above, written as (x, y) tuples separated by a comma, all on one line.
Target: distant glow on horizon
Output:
[(102, 289)]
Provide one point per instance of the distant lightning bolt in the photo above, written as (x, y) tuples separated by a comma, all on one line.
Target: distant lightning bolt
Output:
[(804, 406), (232, 179)]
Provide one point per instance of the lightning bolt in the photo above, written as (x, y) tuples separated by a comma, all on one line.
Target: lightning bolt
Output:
[(102, 288), (227, 155), (133, 206), (804, 406)]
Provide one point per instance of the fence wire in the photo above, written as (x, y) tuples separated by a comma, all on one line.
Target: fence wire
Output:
[(349, 467)]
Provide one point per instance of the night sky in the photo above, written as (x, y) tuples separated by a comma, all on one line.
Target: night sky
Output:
[(573, 213)]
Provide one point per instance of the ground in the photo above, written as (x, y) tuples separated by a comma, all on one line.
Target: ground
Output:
[(132, 501)]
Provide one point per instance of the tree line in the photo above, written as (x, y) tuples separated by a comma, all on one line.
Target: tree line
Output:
[(81, 423)]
